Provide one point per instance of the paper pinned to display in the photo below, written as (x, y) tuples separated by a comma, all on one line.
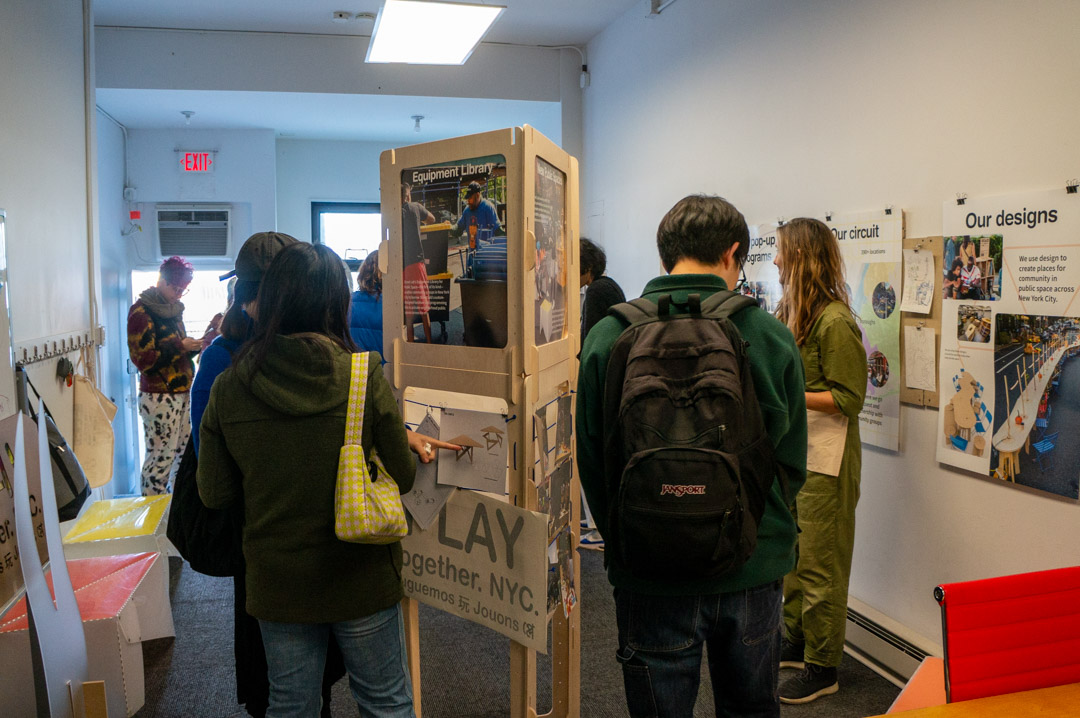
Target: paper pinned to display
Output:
[(427, 497), (826, 437), (918, 296), (919, 358), (544, 456), (481, 462)]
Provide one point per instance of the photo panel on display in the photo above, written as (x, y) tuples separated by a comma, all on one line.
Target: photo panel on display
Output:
[(564, 427), (552, 259), (972, 267), (481, 462), (1037, 409), (973, 323), (453, 229)]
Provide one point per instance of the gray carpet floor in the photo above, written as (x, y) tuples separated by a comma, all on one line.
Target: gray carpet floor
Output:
[(464, 667)]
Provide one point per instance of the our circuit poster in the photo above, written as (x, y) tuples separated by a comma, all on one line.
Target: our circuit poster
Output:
[(871, 245), (1009, 334)]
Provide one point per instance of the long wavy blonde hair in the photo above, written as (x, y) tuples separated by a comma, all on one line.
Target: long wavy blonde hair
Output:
[(812, 274)]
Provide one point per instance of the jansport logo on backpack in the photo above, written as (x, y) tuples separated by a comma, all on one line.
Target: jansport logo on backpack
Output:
[(680, 404), (683, 489)]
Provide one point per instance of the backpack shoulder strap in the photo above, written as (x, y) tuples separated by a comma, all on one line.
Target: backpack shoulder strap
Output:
[(635, 311), (725, 303)]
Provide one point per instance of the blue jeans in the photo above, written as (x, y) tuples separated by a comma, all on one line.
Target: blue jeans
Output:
[(374, 651), (660, 642)]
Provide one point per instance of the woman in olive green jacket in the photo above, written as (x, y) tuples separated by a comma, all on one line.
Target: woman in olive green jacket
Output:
[(270, 437), (816, 307)]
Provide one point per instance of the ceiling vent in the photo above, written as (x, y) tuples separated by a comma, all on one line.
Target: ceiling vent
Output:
[(193, 231)]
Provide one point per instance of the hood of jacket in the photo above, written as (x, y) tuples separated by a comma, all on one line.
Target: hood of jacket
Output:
[(158, 306), (299, 376)]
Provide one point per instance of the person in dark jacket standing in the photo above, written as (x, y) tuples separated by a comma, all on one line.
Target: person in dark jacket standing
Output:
[(600, 291), (162, 351), (270, 438)]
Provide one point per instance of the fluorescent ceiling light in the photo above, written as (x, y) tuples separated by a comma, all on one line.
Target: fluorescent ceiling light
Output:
[(429, 33)]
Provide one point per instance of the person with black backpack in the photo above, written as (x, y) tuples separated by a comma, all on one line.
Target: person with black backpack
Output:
[(691, 421)]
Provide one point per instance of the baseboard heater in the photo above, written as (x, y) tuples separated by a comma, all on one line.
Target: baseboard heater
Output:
[(881, 649)]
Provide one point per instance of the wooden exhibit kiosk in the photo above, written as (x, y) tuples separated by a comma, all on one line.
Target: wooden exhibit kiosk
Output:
[(490, 331)]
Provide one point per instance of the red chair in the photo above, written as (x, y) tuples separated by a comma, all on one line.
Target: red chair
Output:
[(1010, 634)]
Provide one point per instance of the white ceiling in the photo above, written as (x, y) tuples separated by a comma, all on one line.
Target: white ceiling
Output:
[(527, 22), (346, 117), (314, 116)]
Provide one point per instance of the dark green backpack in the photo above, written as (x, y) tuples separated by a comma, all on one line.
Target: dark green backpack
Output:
[(687, 459)]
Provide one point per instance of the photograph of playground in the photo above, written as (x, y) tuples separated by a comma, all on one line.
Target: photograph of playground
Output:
[(973, 323), (1037, 412)]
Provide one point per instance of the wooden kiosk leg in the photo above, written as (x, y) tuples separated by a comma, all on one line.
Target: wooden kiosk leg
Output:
[(410, 610)]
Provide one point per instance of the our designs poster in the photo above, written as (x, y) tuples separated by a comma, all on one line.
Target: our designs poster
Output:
[(453, 233), (871, 245), (1009, 379), (549, 226)]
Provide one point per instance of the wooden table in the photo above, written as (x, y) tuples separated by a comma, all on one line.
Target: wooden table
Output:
[(1044, 703)]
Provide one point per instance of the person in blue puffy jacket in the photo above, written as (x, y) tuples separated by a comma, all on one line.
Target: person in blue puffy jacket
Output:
[(365, 322)]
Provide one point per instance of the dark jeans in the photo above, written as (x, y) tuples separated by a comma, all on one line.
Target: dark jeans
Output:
[(660, 642)]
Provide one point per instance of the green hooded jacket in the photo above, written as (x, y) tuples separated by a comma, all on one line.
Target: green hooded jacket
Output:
[(271, 438)]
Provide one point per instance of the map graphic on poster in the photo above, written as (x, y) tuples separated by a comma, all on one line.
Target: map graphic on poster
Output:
[(453, 237), (871, 246), (1010, 384), (762, 276), (549, 227)]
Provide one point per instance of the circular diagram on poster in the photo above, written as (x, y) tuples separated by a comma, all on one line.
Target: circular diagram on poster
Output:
[(884, 300), (877, 369)]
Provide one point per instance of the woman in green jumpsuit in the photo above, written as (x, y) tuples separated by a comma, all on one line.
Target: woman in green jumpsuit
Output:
[(816, 307)]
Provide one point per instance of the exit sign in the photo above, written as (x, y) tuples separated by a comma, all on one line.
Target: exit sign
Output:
[(197, 161)]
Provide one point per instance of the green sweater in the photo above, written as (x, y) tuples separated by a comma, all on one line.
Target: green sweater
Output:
[(778, 379), (272, 440)]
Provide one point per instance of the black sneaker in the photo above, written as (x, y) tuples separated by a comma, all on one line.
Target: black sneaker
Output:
[(791, 654), (812, 682)]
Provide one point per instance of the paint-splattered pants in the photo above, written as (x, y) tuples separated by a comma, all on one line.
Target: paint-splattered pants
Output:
[(166, 427)]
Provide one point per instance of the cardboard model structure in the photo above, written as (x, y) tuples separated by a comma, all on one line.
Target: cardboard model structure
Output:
[(497, 317), (119, 526), (85, 617)]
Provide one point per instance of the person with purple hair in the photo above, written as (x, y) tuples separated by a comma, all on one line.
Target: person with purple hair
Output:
[(162, 352)]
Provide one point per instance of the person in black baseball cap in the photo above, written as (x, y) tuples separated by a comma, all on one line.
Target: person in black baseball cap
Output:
[(256, 254)]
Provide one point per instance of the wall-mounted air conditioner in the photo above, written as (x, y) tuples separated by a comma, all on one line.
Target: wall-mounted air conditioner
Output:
[(193, 231)]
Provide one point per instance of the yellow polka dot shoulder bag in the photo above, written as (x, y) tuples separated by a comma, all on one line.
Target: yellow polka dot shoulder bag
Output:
[(367, 502)]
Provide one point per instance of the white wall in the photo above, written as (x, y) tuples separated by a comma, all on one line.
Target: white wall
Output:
[(43, 183), (795, 108), (43, 175), (115, 283), (244, 175), (322, 171)]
